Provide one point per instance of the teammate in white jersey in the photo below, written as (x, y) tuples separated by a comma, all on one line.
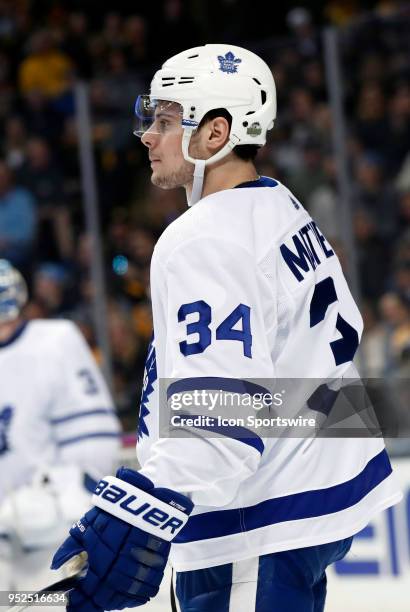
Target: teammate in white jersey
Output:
[(245, 288), (58, 434)]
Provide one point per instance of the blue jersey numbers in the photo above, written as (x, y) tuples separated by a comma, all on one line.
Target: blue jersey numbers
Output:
[(90, 384), (323, 296), (200, 327), (240, 318), (225, 330), (6, 415)]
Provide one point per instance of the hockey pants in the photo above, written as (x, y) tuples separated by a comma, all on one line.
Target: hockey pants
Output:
[(289, 581)]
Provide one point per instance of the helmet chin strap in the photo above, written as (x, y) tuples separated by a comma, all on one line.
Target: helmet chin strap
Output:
[(199, 164), (198, 182)]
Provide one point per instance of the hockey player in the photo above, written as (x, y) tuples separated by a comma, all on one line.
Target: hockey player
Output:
[(244, 285), (58, 434)]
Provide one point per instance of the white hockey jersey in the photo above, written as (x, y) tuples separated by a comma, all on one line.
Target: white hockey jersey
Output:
[(54, 405), (245, 286)]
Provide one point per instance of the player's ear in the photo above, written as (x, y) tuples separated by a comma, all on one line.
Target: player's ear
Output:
[(217, 133)]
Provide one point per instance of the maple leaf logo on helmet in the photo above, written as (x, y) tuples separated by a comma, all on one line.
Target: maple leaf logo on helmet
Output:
[(228, 62)]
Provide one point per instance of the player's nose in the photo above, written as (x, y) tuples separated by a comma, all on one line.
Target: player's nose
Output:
[(148, 139)]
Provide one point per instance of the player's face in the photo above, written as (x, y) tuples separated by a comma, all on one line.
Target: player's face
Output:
[(164, 142)]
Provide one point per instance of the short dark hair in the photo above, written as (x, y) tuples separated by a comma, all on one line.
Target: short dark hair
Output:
[(245, 152)]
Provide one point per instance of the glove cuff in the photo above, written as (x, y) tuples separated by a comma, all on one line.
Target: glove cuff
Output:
[(141, 509), (134, 478)]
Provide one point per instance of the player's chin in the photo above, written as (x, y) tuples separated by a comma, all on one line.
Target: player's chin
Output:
[(156, 179), (162, 181)]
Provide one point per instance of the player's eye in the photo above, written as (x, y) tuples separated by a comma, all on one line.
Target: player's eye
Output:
[(163, 125)]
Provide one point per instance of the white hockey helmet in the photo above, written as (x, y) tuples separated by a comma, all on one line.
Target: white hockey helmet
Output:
[(13, 292), (211, 77)]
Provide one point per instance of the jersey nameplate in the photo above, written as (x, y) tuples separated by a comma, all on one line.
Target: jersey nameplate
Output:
[(306, 250)]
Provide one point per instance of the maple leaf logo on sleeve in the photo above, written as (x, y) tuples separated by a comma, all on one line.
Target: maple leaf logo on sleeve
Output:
[(150, 376)]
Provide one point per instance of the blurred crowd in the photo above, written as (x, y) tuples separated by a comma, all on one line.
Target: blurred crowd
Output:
[(42, 226)]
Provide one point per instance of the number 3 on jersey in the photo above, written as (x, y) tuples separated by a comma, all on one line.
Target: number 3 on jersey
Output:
[(224, 331), (325, 294)]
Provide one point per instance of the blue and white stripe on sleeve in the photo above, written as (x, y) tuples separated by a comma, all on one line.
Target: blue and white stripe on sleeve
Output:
[(221, 389), (73, 427)]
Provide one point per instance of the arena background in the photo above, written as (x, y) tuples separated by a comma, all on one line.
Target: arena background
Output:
[(86, 218)]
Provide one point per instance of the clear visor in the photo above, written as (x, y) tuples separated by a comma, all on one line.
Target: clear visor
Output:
[(157, 116)]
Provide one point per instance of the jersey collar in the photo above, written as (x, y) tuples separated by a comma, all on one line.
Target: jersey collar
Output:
[(262, 181), (14, 336)]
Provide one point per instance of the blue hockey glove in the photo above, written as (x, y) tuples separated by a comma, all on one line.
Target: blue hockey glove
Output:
[(127, 537)]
